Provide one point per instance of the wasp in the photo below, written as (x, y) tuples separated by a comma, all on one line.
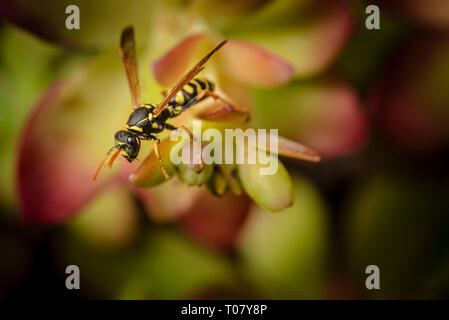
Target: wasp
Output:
[(147, 120)]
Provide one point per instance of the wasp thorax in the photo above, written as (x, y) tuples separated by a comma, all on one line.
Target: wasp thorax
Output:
[(128, 143)]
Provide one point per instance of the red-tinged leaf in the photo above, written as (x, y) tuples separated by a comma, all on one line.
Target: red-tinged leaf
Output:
[(231, 88), (296, 150), (161, 203), (291, 149), (220, 111), (67, 135), (340, 125), (149, 172), (169, 68), (254, 65), (324, 115), (216, 221), (53, 178), (311, 44)]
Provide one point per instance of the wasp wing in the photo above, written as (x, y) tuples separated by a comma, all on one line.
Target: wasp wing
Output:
[(128, 55), (187, 77)]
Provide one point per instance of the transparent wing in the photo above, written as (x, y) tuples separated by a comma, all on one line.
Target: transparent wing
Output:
[(187, 77), (128, 55)]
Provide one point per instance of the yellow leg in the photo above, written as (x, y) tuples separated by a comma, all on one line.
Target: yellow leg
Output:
[(200, 158), (208, 93), (158, 156)]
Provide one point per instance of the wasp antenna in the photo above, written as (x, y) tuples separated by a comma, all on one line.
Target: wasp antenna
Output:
[(114, 156), (99, 167), (102, 163)]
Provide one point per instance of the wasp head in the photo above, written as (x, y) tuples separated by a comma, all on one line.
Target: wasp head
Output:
[(128, 143)]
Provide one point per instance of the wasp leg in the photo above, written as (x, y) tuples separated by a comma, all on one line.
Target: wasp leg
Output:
[(207, 93), (158, 156), (170, 127), (200, 159), (163, 93)]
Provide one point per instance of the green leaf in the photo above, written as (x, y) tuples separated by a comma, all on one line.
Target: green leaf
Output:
[(149, 173), (25, 71), (109, 220), (283, 255), (192, 177), (324, 114), (272, 192), (308, 37), (217, 184), (172, 267)]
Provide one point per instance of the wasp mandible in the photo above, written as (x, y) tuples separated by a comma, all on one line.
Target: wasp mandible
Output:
[(146, 120)]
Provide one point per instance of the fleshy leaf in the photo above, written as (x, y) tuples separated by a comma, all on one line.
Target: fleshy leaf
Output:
[(169, 68), (67, 134), (51, 187), (309, 44), (172, 267), (273, 192), (21, 52), (324, 115), (216, 221), (192, 177), (280, 251), (219, 111), (254, 65), (241, 61), (109, 220), (149, 173), (290, 148), (162, 206)]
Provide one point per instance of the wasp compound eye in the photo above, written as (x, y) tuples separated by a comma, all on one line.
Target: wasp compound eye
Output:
[(128, 143)]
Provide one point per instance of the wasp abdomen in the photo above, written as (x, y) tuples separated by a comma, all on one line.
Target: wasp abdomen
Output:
[(188, 95)]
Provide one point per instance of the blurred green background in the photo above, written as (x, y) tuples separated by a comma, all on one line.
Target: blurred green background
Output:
[(374, 103)]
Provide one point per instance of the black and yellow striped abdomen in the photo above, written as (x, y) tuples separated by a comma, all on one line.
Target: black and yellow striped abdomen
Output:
[(188, 95)]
